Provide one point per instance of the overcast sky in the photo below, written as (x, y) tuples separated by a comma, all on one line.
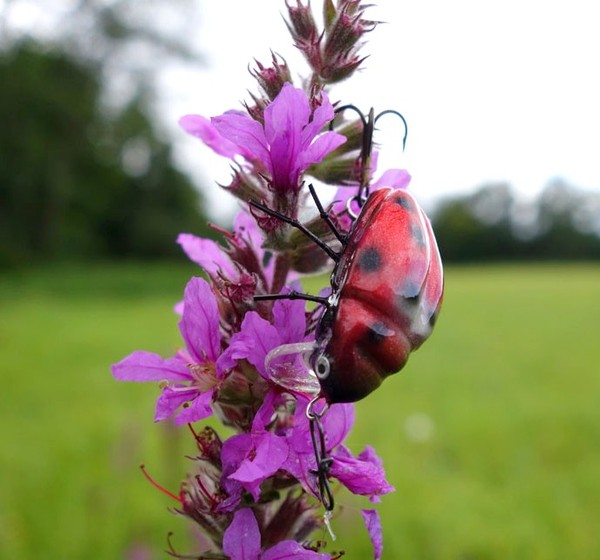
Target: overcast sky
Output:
[(492, 91)]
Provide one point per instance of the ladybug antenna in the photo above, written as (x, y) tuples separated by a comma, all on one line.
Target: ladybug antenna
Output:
[(393, 112), (364, 159)]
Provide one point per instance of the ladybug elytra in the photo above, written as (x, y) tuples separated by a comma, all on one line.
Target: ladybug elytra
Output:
[(387, 289)]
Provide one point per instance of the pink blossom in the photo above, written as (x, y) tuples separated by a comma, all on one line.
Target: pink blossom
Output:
[(192, 374), (290, 141)]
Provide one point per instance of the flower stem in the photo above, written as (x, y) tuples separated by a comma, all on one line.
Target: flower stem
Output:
[(282, 268)]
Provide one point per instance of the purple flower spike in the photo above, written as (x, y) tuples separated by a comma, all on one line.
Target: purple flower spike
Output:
[(190, 376), (290, 142), (242, 541)]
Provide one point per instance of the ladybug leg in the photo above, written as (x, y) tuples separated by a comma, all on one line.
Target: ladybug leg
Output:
[(326, 217), (323, 461), (294, 295), (299, 226)]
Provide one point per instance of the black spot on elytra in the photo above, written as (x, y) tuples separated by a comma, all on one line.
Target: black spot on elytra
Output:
[(369, 259), (418, 235), (433, 319), (377, 332), (404, 202), (410, 292), (412, 300)]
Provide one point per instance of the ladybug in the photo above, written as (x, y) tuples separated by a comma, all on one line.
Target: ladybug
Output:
[(386, 287)]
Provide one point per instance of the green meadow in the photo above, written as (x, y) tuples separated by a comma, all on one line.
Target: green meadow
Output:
[(491, 434)]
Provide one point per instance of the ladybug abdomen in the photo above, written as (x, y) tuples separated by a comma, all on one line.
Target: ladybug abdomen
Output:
[(366, 346)]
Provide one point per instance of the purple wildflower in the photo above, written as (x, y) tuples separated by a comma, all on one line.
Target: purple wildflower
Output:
[(242, 541), (241, 269), (282, 149), (249, 459), (363, 475), (192, 375)]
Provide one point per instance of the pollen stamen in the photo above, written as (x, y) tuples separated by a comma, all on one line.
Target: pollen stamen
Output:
[(158, 486)]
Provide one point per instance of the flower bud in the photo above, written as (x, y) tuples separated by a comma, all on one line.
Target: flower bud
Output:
[(245, 186), (336, 171), (302, 24), (343, 41), (271, 79)]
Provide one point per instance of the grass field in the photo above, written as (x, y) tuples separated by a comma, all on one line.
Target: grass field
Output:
[(491, 435)]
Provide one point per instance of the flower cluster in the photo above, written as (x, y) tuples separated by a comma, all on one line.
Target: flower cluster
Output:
[(256, 494)]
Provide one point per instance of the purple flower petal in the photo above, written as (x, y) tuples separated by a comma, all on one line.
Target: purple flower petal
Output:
[(241, 540), (200, 323), (147, 366), (246, 133), (202, 128), (287, 114), (301, 459), (198, 409), (264, 414), (268, 454), (301, 465), (395, 178), (321, 116), (208, 254), (337, 423), (368, 454), (317, 151), (360, 477), (254, 341), (234, 451), (292, 550), (373, 524), (245, 227), (289, 319), (171, 399)]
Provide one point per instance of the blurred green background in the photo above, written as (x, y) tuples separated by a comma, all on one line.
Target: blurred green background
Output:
[(491, 435)]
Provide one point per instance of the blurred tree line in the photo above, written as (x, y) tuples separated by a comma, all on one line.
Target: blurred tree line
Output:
[(84, 172), (561, 223)]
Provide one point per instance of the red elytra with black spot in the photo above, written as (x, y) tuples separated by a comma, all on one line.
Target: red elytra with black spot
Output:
[(387, 290)]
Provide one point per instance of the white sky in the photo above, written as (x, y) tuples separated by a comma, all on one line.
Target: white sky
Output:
[(492, 91)]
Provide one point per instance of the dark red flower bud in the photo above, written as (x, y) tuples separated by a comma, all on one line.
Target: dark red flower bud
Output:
[(302, 24), (271, 79)]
